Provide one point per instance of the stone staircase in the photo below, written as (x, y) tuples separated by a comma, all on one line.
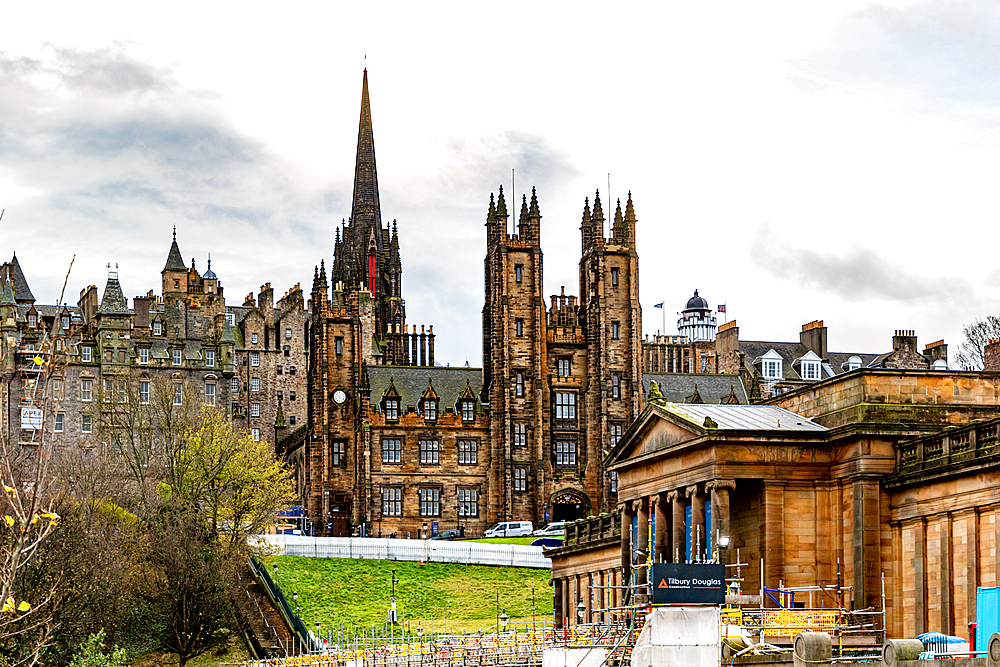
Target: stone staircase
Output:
[(269, 632)]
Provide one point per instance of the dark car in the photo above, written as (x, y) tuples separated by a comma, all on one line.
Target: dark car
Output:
[(448, 535)]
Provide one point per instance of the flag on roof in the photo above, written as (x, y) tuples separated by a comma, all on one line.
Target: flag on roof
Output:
[(658, 305), (721, 308)]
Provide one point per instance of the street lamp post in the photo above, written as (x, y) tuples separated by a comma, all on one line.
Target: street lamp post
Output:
[(295, 596), (580, 609), (503, 621)]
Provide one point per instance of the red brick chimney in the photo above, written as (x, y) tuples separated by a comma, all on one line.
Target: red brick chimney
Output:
[(991, 355)]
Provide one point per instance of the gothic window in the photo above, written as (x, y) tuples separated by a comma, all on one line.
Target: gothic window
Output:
[(339, 457), (615, 434), (565, 453), (520, 434), (565, 405), (391, 409), (392, 501), (430, 409), (563, 367), (520, 479), (519, 384), (430, 502), (614, 277), (429, 451), (468, 503), (468, 452), (519, 327), (392, 450), (372, 270), (616, 387)]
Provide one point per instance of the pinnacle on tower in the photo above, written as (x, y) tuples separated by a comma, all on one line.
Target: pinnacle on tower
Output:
[(629, 211), (501, 206), (492, 212), (174, 260), (598, 211), (533, 210)]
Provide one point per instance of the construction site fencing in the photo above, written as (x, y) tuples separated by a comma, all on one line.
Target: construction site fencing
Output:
[(428, 551), (478, 650)]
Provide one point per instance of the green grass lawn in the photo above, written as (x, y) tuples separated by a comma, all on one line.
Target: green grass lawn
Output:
[(504, 540), (357, 592)]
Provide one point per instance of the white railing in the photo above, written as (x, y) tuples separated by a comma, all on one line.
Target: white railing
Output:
[(430, 551)]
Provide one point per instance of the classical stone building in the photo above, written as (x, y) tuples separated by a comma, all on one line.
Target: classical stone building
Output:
[(876, 471)]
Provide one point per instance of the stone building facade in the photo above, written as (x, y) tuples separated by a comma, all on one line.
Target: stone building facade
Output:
[(558, 386), (102, 351)]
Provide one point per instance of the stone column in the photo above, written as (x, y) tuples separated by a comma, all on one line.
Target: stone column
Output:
[(557, 602), (626, 515), (720, 511), (641, 541), (697, 498), (678, 535), (920, 574), (772, 535), (866, 534), (661, 541)]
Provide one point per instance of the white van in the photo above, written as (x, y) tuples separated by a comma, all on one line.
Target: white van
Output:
[(510, 529)]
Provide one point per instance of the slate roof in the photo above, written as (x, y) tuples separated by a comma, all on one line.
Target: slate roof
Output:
[(712, 388), (12, 272), (114, 302), (411, 381), (754, 349), (174, 260), (744, 417)]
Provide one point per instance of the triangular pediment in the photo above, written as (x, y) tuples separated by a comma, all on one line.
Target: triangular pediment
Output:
[(657, 428)]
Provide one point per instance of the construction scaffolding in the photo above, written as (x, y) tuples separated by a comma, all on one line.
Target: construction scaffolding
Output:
[(32, 362)]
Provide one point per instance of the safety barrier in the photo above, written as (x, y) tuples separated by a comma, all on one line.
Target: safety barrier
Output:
[(430, 551)]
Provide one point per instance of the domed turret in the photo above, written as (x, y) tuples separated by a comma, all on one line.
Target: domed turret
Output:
[(696, 320)]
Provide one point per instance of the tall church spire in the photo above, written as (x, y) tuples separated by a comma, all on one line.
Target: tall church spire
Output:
[(365, 211)]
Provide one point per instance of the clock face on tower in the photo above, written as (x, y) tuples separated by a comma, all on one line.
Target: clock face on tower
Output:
[(339, 396)]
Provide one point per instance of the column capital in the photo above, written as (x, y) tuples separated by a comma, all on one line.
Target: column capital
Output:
[(622, 508), (721, 484), (691, 491), (672, 495), (638, 505), (659, 499)]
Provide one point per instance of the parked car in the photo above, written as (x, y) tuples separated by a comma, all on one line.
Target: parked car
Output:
[(510, 529), (552, 529), (448, 535)]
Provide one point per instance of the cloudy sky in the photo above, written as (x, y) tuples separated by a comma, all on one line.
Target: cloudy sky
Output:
[(796, 162)]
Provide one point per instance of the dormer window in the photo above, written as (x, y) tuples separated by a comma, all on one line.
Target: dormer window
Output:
[(253, 339), (563, 367), (810, 366), (86, 354), (32, 321), (468, 411), (65, 322), (177, 356), (853, 363), (231, 319), (143, 355), (392, 409), (157, 329), (430, 409), (770, 366)]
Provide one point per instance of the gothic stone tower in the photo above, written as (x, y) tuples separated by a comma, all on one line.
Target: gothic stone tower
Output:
[(561, 385)]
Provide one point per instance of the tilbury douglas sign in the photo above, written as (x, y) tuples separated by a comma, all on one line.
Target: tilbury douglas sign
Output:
[(678, 583)]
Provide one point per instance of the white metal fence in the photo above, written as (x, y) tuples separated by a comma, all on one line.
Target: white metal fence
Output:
[(431, 551)]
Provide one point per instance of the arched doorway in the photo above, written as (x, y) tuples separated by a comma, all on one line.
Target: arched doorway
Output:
[(570, 505)]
